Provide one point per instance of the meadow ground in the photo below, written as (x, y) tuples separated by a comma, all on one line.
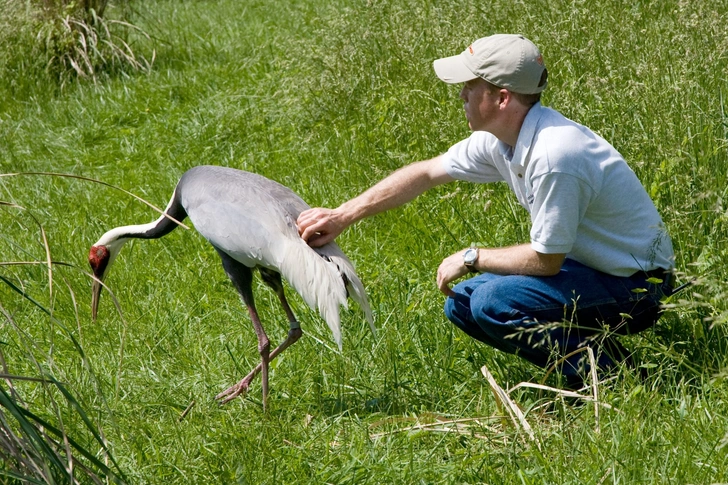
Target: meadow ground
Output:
[(327, 97)]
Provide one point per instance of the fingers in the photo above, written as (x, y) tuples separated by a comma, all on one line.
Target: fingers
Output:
[(317, 227), (305, 220), (314, 235), (446, 290), (307, 216), (443, 282), (449, 270), (319, 239), (308, 232)]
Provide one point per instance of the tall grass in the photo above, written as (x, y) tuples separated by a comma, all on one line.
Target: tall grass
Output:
[(48, 44), (46, 434), (327, 97)]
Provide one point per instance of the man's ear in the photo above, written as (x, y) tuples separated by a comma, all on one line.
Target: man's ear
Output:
[(505, 98)]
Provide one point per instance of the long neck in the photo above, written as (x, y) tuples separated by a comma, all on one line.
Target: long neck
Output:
[(153, 230)]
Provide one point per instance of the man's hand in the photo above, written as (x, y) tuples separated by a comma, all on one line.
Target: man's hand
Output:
[(450, 269), (319, 226)]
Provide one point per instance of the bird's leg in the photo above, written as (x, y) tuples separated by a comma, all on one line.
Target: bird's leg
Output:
[(294, 333), (242, 387), (273, 279), (265, 357), (264, 350), (242, 278)]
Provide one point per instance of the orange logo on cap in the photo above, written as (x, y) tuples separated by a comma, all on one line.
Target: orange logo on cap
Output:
[(470, 48), (539, 60)]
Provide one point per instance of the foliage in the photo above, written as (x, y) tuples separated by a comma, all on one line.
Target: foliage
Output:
[(327, 97), (57, 442), (61, 40)]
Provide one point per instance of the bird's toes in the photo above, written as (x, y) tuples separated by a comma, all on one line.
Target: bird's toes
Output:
[(225, 399), (241, 388)]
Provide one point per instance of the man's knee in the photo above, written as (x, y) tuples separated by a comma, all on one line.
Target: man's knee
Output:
[(495, 302), (457, 308), (449, 308)]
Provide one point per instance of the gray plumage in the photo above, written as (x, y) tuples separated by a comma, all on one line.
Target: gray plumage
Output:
[(251, 222)]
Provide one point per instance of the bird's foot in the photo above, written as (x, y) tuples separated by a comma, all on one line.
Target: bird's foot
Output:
[(239, 389)]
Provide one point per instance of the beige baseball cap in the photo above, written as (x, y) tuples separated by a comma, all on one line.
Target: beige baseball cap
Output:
[(507, 60)]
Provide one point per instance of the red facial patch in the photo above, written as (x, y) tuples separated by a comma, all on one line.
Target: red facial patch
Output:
[(98, 258)]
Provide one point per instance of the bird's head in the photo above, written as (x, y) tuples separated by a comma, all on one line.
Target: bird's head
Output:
[(100, 257)]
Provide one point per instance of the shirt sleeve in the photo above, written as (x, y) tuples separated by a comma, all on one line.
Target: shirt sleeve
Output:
[(559, 204), (472, 159)]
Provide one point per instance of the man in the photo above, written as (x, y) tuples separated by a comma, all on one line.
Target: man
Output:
[(599, 258)]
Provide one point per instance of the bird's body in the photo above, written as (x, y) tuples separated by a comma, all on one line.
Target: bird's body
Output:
[(251, 222)]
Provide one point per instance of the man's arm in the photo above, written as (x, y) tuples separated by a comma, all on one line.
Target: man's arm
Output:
[(521, 259), (319, 226)]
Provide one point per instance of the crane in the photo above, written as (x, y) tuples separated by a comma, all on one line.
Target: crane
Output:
[(250, 220)]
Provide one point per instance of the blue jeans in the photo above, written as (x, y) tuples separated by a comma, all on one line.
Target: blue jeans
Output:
[(544, 318)]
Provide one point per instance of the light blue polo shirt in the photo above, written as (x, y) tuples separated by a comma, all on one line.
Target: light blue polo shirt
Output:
[(583, 198)]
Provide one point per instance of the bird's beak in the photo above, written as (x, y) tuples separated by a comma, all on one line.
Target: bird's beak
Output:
[(95, 295)]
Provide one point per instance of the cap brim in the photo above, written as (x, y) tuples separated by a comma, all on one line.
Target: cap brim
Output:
[(452, 70)]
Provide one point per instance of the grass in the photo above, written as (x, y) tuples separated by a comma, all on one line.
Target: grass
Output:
[(327, 97), (49, 43)]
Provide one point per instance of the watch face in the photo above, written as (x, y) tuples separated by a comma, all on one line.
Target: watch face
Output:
[(470, 256)]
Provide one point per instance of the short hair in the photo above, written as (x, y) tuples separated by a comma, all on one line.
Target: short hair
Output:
[(525, 99), (528, 99)]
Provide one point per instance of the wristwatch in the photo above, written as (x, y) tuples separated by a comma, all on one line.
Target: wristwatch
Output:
[(470, 256)]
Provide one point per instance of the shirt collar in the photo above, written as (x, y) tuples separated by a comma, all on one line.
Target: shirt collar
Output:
[(526, 135)]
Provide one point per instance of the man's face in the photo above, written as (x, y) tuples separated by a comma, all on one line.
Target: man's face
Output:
[(480, 104)]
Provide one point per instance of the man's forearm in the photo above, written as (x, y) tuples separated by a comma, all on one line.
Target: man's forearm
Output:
[(520, 259), (396, 190), (319, 226)]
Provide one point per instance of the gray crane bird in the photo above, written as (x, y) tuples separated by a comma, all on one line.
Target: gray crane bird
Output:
[(251, 222)]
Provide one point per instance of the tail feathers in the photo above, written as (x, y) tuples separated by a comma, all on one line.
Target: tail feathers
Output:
[(318, 282), (324, 283), (354, 285)]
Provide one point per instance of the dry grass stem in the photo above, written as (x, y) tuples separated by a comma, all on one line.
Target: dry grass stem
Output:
[(594, 386), (465, 426), (88, 179), (513, 410), (560, 393), (186, 411)]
